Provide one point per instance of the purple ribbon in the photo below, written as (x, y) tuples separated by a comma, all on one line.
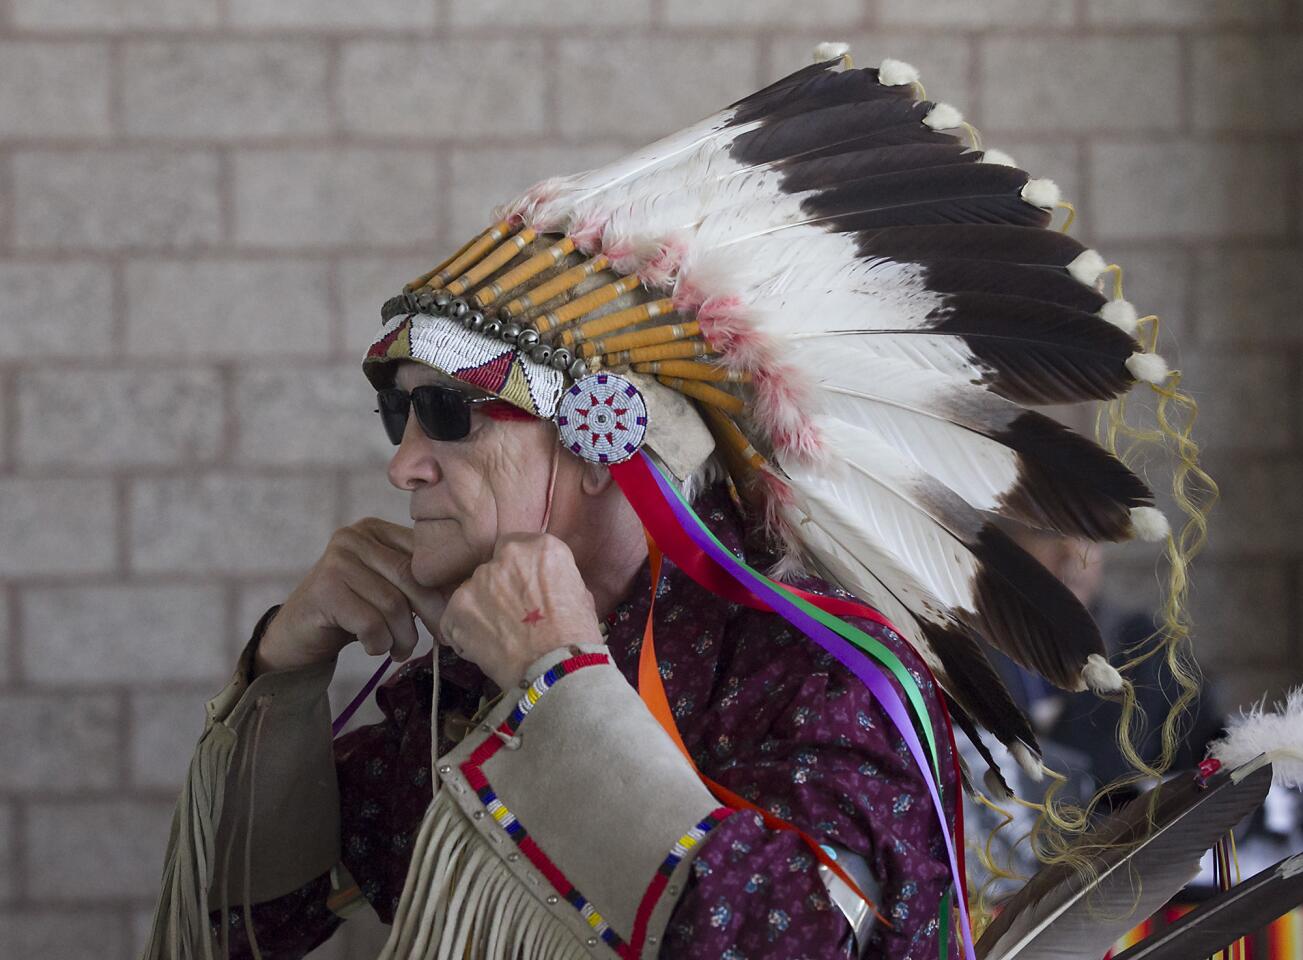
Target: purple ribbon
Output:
[(850, 656)]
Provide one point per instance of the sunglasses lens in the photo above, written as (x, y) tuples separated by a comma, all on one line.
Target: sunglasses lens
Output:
[(443, 413), (393, 405)]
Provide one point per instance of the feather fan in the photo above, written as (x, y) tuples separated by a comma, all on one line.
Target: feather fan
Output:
[(1232, 914), (1140, 859)]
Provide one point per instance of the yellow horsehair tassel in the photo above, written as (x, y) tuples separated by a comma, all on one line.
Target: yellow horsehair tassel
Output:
[(617, 320), (650, 336), (527, 271), (694, 370), (704, 392), (478, 247), (554, 288), (589, 302), (498, 258)]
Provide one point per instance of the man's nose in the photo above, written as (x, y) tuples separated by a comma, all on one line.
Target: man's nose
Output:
[(413, 463)]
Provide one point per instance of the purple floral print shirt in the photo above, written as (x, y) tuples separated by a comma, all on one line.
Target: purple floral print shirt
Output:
[(763, 710)]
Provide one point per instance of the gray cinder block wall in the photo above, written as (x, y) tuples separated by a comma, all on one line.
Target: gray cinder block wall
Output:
[(203, 202)]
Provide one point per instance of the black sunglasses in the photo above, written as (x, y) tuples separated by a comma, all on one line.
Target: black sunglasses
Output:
[(444, 413)]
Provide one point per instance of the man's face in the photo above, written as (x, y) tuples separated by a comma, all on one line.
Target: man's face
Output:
[(465, 494)]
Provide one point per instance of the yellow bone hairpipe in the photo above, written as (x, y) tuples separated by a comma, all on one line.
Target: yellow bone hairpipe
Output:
[(524, 273), (472, 254), (722, 425), (617, 320), (694, 370), (640, 338), (554, 287), (705, 393), (676, 350), (498, 258), (588, 302), (424, 278)]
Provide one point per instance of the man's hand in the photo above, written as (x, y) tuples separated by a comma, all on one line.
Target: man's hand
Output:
[(361, 588), (528, 600)]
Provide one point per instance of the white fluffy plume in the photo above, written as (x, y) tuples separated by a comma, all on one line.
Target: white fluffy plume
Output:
[(1277, 733)]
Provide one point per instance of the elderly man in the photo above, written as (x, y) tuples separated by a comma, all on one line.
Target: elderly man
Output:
[(795, 335)]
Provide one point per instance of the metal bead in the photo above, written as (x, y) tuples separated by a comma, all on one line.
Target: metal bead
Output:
[(651, 940), (478, 814), (492, 329), (591, 941), (541, 353), (510, 332), (578, 369), (474, 320), (552, 898), (672, 891), (527, 339), (422, 302), (513, 857), (458, 308), (560, 359), (445, 769), (441, 301)]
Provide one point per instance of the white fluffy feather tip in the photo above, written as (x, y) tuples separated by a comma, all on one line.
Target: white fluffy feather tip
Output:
[(896, 73), (1100, 675), (1122, 315), (1030, 763), (1149, 524), (991, 155), (1087, 266), (830, 50), (1149, 367), (1277, 733), (1041, 193), (943, 117)]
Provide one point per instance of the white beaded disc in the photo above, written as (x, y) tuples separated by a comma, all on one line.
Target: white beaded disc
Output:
[(602, 418)]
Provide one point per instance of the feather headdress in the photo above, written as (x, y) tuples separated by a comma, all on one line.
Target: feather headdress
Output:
[(862, 310)]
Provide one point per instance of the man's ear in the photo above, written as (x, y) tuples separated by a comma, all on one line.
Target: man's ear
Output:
[(595, 479)]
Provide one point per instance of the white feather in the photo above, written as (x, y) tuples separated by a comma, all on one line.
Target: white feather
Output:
[(890, 508), (1277, 733), (925, 415)]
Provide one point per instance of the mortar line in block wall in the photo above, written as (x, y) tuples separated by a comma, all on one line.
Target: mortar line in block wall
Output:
[(551, 84), (117, 87), (126, 740), (122, 523), (19, 860), (13, 627), (226, 207), (1185, 71), (9, 403), (230, 437), (8, 226), (117, 265)]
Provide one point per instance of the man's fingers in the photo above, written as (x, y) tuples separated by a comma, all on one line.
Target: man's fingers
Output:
[(360, 618), (389, 601), (396, 567)]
